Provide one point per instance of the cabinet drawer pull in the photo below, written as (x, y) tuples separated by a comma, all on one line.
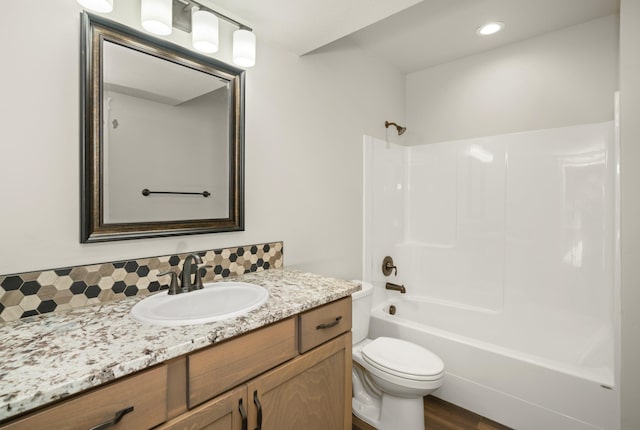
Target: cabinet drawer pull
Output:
[(259, 406), (243, 414), (329, 325), (116, 419)]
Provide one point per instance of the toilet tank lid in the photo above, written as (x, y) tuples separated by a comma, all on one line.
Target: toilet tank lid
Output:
[(367, 289)]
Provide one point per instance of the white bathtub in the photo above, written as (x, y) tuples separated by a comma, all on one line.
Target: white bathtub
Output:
[(519, 370)]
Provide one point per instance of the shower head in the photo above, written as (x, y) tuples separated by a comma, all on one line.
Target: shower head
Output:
[(400, 129)]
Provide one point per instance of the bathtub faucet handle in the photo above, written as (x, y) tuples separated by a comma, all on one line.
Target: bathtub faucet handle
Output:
[(388, 266)]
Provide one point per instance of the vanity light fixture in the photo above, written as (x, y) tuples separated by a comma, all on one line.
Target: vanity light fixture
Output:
[(160, 16), (490, 28)]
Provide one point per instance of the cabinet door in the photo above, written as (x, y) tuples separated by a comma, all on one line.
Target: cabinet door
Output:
[(310, 392), (225, 412)]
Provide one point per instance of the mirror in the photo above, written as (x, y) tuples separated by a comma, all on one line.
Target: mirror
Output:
[(162, 138)]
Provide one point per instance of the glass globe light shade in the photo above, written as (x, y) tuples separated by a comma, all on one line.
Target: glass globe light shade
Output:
[(204, 31), (244, 48), (156, 16)]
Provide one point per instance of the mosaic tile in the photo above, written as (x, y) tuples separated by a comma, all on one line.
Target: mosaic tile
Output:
[(55, 290), (63, 283), (12, 298), (11, 313), (46, 306), (30, 303), (47, 292), (63, 297), (48, 277), (11, 283)]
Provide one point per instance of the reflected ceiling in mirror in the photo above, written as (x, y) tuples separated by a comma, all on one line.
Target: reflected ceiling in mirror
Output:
[(162, 138)]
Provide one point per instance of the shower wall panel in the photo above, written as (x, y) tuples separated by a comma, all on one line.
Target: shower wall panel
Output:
[(518, 226), (456, 217)]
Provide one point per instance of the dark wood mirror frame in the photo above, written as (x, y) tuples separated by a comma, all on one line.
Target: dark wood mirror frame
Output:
[(95, 31)]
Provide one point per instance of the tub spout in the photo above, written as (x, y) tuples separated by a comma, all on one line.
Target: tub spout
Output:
[(395, 287)]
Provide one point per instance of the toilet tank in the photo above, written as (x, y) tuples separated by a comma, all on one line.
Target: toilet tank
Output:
[(361, 310)]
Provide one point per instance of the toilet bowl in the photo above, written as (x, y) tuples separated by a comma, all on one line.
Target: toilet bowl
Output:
[(390, 376)]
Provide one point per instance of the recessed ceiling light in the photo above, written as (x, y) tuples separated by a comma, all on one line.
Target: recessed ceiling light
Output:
[(490, 28)]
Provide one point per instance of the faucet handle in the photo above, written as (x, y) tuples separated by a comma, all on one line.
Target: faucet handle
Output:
[(173, 283), (200, 272), (388, 266)]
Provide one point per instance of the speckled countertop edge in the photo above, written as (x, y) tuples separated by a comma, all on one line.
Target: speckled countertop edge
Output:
[(46, 358)]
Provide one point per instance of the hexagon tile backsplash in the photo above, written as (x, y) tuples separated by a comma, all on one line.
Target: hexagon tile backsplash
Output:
[(32, 293)]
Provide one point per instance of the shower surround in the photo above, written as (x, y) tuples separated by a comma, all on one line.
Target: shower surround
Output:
[(507, 246)]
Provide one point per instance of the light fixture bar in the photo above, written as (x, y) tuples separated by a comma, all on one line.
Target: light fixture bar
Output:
[(182, 15)]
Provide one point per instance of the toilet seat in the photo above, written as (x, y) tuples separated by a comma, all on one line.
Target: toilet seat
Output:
[(403, 359)]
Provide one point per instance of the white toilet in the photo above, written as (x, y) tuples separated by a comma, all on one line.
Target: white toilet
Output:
[(390, 376)]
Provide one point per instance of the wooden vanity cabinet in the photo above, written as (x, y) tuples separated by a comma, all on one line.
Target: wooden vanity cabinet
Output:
[(291, 375), (310, 392)]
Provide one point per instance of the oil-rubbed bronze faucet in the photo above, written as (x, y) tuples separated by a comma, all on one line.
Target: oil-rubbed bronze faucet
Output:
[(187, 270), (395, 287), (192, 261)]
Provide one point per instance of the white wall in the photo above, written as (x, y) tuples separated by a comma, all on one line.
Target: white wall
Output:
[(305, 117), (630, 211), (563, 78)]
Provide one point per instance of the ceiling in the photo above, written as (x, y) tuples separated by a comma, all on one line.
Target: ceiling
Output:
[(302, 26), (408, 34), (438, 31)]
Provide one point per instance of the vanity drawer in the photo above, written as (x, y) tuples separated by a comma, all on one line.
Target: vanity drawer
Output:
[(146, 392), (324, 323), (228, 364)]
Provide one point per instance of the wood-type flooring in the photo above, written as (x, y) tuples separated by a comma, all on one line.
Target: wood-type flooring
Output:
[(441, 415)]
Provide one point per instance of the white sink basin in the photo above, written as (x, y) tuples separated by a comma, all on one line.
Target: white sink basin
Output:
[(217, 301)]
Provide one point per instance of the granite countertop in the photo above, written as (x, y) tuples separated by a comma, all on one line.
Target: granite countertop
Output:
[(49, 357)]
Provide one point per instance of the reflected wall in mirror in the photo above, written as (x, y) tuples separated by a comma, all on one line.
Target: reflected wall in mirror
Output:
[(162, 138)]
